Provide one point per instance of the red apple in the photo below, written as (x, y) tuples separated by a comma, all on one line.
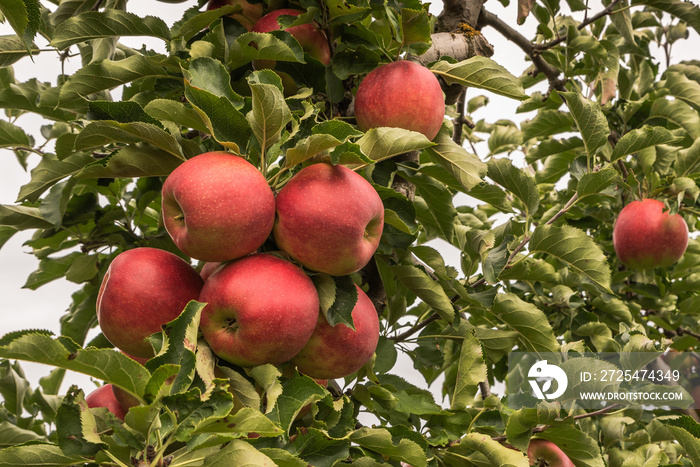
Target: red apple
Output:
[(309, 36), (217, 206), (143, 289), (338, 351), (208, 269), (647, 236), (250, 12), (542, 452), (400, 94), (329, 218), (104, 397), (260, 309)]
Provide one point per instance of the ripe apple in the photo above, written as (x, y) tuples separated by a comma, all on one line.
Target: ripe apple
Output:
[(309, 36), (338, 351), (143, 289), (260, 309), (329, 218), (646, 236), (542, 452), (217, 206), (400, 94), (250, 12), (104, 397), (208, 269)]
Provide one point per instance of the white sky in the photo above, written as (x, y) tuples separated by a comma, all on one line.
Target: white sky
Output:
[(26, 309)]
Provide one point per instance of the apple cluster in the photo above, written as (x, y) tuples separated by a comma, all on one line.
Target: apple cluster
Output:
[(262, 307)]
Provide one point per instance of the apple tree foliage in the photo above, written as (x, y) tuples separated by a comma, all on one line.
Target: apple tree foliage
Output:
[(604, 117)]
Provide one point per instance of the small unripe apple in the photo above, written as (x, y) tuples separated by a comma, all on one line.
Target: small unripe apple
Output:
[(104, 397), (543, 452), (217, 206), (143, 289), (338, 351), (329, 218), (401, 94), (250, 12), (647, 236), (309, 36), (260, 309)]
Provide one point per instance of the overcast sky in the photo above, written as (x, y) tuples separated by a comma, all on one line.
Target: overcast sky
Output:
[(26, 309)]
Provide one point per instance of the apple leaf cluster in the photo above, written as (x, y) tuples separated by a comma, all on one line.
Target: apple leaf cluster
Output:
[(605, 116)]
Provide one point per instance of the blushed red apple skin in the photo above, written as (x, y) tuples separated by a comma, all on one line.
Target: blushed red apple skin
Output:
[(104, 397), (260, 309), (542, 452), (143, 289), (309, 36), (646, 236), (338, 351), (329, 218), (217, 206), (401, 94), (250, 12)]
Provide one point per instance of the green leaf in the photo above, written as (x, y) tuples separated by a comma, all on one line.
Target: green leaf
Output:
[(686, 432), (466, 167), (181, 337), (109, 74), (590, 121), (208, 89), (39, 455), (483, 73), (686, 11), (76, 428), (122, 112), (385, 142), (28, 96), (176, 112), (547, 122), (639, 139), (317, 449), (471, 370), (25, 18), (270, 113), (308, 147), (683, 88), (238, 452), (108, 23), (12, 136), (338, 296), (51, 170), (678, 114), (296, 393), (192, 26), (101, 133), (530, 322), (572, 246), (107, 365), (494, 452), (13, 48), (581, 448), (133, 161), (688, 160), (13, 435), (418, 282), (194, 414), (381, 441), (276, 45), (515, 180), (23, 217), (593, 183)]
